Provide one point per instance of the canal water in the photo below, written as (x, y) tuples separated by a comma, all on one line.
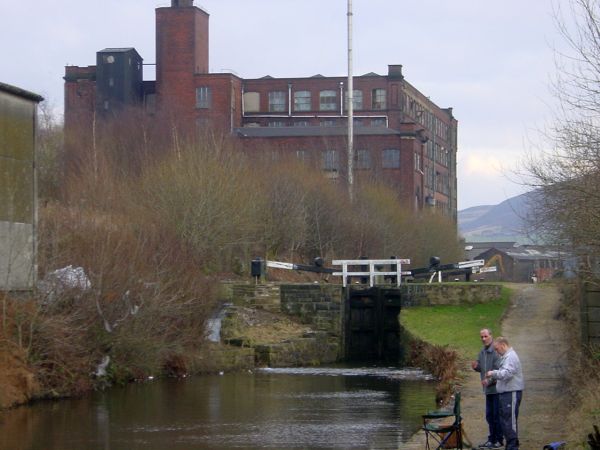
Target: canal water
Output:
[(299, 408)]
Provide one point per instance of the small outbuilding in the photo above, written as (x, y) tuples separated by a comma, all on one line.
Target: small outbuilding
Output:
[(523, 263), (18, 191)]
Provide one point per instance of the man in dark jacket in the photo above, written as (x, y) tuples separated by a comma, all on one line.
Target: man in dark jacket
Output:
[(488, 360)]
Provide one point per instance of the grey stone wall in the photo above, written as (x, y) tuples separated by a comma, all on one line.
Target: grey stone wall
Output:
[(263, 296), (315, 304), (421, 294), (320, 348)]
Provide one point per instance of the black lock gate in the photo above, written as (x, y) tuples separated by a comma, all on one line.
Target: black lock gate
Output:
[(372, 327)]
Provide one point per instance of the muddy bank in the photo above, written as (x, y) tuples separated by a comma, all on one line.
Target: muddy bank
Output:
[(16, 378), (440, 361), (251, 338)]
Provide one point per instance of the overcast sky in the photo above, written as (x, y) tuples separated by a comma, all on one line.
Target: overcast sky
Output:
[(491, 61)]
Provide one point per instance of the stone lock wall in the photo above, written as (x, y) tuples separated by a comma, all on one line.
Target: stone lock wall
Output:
[(321, 307), (262, 296), (421, 294), (315, 304)]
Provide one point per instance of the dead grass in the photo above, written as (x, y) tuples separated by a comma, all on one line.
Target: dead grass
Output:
[(441, 361), (18, 381), (254, 326)]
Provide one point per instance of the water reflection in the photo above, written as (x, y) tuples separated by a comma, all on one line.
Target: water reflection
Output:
[(335, 408)]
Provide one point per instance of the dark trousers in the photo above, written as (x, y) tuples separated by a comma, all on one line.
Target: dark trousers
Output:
[(492, 415), (509, 413)]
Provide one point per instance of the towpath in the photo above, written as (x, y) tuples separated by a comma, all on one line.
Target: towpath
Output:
[(539, 338)]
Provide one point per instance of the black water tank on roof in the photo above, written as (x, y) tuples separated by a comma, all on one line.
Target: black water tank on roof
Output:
[(119, 78)]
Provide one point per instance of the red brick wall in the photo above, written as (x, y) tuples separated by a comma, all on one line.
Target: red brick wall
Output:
[(80, 104), (404, 180), (225, 101), (181, 52)]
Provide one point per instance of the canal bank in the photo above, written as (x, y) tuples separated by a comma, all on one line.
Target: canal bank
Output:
[(336, 407), (538, 333), (268, 325)]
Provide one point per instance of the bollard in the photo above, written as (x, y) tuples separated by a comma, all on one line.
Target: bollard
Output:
[(257, 269)]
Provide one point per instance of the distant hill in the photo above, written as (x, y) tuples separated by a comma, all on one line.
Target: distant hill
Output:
[(502, 222)]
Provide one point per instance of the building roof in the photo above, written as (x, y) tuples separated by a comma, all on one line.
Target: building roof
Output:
[(121, 50), (20, 92), (476, 248), (267, 132), (117, 50), (529, 253)]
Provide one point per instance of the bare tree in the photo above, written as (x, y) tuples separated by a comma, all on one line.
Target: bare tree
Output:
[(566, 174)]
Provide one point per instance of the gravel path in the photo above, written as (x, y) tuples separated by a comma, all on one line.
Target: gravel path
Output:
[(532, 328)]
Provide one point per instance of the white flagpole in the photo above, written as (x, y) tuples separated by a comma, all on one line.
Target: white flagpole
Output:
[(350, 106)]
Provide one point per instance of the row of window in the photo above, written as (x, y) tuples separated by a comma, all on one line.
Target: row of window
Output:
[(328, 100), (330, 159), (424, 116), (438, 153), (439, 182), (302, 100), (375, 122)]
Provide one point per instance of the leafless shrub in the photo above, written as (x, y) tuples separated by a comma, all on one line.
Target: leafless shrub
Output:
[(154, 217), (440, 361)]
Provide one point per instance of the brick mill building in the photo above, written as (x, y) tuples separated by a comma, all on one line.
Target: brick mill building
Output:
[(400, 136)]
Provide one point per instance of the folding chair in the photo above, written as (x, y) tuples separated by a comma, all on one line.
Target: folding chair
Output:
[(440, 431)]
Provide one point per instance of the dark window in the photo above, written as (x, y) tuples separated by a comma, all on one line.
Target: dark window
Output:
[(302, 101), (379, 99), (301, 155), (327, 100), (363, 159), (277, 101), (357, 99), (331, 160), (203, 97), (391, 158)]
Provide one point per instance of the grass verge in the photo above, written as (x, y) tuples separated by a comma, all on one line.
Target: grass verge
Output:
[(456, 326)]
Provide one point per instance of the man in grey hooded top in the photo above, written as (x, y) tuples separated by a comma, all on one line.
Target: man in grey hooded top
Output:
[(510, 385), (488, 360)]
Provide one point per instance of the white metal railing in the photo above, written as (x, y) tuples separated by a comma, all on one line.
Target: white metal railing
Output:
[(373, 269)]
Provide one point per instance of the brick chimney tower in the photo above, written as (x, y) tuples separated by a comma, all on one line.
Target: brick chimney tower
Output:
[(181, 52)]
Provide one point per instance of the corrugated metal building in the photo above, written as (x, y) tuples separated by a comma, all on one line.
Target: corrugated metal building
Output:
[(18, 197)]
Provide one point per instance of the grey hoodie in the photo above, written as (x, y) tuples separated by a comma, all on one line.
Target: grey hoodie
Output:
[(510, 374), (488, 359)]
